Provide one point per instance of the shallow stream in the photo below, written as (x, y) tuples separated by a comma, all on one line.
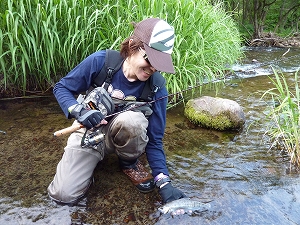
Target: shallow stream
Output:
[(244, 181)]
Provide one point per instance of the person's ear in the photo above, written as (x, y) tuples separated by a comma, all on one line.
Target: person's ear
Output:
[(130, 41)]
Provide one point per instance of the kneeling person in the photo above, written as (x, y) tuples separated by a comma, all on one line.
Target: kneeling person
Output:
[(127, 131)]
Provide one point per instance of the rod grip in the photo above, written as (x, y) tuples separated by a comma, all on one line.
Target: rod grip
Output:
[(67, 130)]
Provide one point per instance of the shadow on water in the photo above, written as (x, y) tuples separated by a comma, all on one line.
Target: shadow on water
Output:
[(245, 181)]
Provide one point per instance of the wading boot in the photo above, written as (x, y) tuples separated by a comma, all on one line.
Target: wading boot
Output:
[(139, 176)]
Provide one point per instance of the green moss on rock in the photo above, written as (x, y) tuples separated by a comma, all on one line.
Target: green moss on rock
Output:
[(221, 121)]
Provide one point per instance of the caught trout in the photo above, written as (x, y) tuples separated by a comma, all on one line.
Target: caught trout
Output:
[(183, 205)]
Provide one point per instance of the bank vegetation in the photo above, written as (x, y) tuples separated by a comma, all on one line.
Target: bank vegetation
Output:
[(284, 116), (42, 40)]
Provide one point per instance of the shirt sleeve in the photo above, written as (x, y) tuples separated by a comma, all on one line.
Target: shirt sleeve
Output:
[(78, 80), (156, 129)]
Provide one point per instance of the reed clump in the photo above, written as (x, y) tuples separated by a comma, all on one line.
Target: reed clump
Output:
[(284, 116), (42, 40)]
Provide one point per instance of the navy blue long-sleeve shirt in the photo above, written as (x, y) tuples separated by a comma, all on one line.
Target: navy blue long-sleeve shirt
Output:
[(80, 79)]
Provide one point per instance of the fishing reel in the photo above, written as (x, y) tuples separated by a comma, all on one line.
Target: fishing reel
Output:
[(93, 140)]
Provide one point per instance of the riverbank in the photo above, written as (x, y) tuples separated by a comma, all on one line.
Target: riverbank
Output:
[(272, 40)]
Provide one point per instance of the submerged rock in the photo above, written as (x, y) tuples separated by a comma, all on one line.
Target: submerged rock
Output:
[(215, 113)]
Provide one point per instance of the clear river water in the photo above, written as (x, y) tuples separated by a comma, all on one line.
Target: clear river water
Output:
[(243, 179)]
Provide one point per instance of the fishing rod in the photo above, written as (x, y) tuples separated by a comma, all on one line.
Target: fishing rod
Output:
[(135, 105)]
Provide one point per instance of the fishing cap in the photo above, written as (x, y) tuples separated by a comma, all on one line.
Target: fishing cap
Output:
[(158, 39)]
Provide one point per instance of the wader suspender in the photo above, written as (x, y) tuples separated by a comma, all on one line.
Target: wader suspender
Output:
[(113, 62)]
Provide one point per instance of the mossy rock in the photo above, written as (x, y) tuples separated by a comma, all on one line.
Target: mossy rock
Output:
[(215, 113)]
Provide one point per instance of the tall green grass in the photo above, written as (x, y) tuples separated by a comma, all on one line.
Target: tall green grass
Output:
[(43, 40), (284, 116)]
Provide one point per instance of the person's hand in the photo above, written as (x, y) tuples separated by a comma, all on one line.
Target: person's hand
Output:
[(168, 193), (88, 118)]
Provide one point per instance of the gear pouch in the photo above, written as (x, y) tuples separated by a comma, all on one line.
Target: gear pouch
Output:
[(99, 99)]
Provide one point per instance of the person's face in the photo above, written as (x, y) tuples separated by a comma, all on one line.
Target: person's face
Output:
[(141, 66)]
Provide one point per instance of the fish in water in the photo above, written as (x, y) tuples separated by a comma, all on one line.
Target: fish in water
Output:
[(183, 205)]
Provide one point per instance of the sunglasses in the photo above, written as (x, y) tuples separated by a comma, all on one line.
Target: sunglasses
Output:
[(142, 51)]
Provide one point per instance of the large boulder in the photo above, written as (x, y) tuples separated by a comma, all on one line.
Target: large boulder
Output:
[(215, 113)]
